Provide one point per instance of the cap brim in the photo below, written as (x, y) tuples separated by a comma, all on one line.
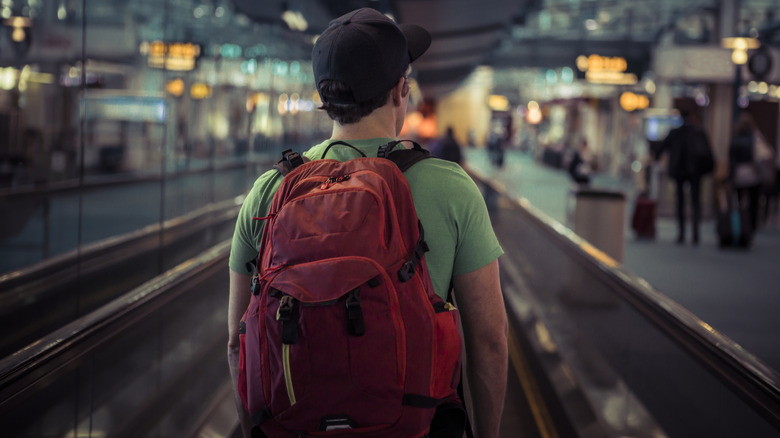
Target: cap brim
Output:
[(417, 39)]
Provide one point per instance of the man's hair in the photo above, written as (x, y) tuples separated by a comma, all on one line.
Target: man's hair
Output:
[(350, 112)]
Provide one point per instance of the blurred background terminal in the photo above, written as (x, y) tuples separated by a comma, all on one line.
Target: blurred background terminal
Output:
[(130, 130)]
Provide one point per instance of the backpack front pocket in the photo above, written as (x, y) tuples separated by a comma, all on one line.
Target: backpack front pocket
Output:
[(341, 347)]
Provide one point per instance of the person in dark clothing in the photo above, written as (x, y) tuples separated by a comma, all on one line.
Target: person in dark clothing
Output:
[(579, 167), (690, 158), (743, 169), (449, 149), (495, 144)]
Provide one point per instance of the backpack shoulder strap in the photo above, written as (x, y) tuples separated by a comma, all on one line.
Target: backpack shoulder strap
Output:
[(290, 160), (403, 158)]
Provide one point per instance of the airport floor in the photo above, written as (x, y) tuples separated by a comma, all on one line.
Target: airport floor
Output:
[(736, 292)]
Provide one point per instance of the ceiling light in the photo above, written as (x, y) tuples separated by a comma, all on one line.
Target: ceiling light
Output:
[(739, 57), (740, 46), (295, 20), (18, 24)]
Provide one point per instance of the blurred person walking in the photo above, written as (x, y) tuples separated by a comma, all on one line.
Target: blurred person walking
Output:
[(579, 164), (448, 148), (749, 166), (690, 158), (495, 144)]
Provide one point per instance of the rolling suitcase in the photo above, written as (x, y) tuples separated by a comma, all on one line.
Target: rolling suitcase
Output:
[(733, 226), (643, 218)]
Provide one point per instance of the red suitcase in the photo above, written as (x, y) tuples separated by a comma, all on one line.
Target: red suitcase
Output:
[(643, 219)]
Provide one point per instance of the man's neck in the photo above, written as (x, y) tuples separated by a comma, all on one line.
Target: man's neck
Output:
[(379, 123)]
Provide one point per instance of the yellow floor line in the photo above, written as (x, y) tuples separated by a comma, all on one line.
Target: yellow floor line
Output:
[(538, 407)]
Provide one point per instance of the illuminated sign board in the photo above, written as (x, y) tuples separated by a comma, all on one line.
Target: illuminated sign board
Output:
[(497, 102), (120, 107), (631, 101), (171, 56), (606, 69), (200, 90)]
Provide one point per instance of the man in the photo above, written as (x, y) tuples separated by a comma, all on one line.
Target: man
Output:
[(690, 158), (579, 166), (361, 63), (449, 149)]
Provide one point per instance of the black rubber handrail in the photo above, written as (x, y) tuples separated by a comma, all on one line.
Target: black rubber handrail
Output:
[(32, 363), (750, 378), (41, 298)]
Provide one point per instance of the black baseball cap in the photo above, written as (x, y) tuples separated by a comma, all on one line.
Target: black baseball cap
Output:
[(367, 51)]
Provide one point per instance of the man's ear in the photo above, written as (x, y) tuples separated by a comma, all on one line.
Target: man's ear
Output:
[(399, 91)]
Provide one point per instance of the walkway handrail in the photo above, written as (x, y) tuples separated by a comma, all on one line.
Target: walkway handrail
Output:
[(31, 363), (40, 298), (749, 378), (119, 244), (101, 181)]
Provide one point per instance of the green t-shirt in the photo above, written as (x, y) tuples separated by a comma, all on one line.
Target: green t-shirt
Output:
[(448, 203)]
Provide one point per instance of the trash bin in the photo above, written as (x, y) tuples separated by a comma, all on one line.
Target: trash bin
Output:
[(599, 218)]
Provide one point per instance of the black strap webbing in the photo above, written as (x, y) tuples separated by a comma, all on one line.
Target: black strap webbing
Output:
[(261, 416), (404, 158), (421, 401), (356, 325), (258, 419), (410, 266)]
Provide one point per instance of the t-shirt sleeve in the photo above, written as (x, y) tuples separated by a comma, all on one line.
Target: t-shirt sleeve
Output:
[(246, 236), (477, 242)]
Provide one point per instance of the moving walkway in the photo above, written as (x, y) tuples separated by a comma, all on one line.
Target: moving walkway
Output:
[(594, 350)]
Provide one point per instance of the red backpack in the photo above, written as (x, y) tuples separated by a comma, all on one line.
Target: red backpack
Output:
[(344, 335)]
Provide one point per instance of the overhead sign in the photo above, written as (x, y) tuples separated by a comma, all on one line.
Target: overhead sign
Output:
[(171, 56), (709, 64), (606, 69), (124, 107)]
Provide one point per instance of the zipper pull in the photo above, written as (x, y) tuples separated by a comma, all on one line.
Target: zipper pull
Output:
[(333, 180), (286, 307)]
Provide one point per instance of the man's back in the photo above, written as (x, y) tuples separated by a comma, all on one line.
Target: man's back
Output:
[(448, 203)]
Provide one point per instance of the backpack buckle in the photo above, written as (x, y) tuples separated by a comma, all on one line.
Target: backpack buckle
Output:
[(255, 285), (290, 160), (294, 158), (407, 271), (384, 150)]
